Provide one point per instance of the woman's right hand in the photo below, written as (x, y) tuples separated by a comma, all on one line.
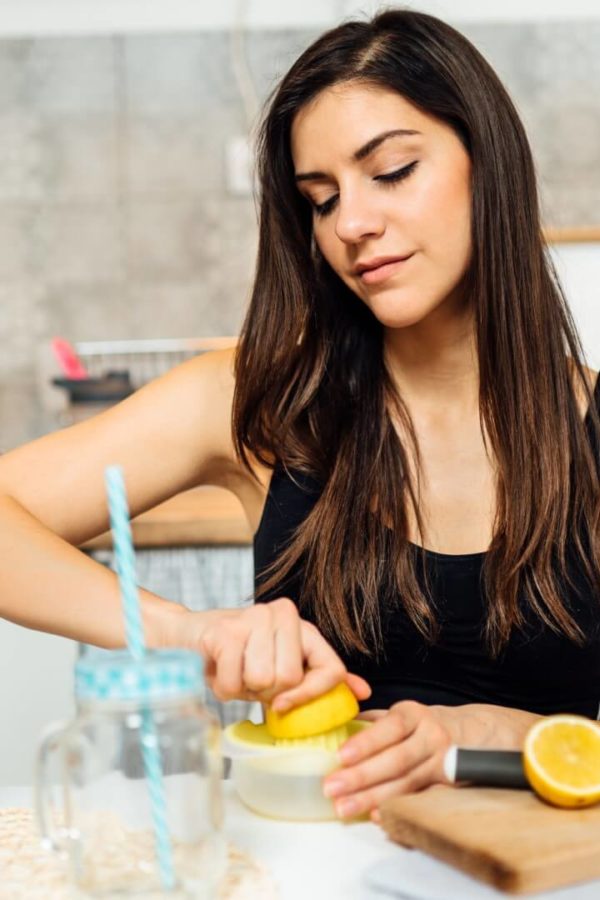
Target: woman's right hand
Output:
[(266, 652)]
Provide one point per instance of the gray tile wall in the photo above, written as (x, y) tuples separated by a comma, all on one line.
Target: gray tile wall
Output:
[(115, 221)]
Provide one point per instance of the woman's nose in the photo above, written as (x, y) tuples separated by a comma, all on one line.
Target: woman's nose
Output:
[(357, 218)]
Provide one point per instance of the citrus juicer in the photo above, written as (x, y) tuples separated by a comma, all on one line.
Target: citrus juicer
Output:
[(278, 767)]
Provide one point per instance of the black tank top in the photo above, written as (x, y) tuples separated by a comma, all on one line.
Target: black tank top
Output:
[(538, 670)]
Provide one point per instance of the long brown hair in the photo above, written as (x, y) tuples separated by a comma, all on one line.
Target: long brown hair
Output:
[(313, 392)]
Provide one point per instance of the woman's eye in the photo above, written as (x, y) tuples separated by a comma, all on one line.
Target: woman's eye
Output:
[(321, 209), (397, 174)]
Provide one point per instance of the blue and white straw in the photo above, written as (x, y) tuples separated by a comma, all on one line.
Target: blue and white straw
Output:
[(154, 777), (134, 631), (125, 560)]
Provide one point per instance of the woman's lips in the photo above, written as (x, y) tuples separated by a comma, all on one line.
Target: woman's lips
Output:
[(381, 273)]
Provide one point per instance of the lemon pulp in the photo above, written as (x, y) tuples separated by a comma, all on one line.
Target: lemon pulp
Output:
[(562, 760), (329, 740)]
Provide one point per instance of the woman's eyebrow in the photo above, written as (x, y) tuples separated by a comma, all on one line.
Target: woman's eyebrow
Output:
[(362, 152)]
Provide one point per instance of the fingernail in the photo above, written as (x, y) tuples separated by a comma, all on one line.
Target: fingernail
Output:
[(346, 808), (281, 706), (333, 788), (347, 754)]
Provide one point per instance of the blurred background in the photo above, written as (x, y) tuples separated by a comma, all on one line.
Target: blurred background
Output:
[(125, 203), (128, 226)]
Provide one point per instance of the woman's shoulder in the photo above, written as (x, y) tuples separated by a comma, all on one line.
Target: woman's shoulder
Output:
[(594, 381), (170, 435), (212, 383), (201, 389), (185, 417), (585, 387), (216, 365), (591, 376), (208, 383)]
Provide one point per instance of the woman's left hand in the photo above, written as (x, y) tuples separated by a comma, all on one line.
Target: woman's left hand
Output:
[(402, 751)]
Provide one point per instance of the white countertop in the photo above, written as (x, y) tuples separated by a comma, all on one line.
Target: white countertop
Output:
[(336, 861)]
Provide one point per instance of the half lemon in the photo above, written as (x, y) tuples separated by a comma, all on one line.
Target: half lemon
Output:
[(316, 717), (561, 757)]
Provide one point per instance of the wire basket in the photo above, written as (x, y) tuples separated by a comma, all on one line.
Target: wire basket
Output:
[(145, 359)]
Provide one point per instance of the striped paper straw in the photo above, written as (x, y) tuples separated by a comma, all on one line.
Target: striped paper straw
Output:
[(154, 777), (125, 560), (134, 631)]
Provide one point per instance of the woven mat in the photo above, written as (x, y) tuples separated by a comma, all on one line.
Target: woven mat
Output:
[(30, 872)]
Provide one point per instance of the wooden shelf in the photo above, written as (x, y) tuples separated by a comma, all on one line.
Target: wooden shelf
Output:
[(584, 234)]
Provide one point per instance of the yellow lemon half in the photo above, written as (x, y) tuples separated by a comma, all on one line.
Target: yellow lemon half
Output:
[(562, 760), (331, 710)]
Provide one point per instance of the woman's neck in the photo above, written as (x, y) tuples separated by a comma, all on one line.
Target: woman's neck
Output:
[(435, 361)]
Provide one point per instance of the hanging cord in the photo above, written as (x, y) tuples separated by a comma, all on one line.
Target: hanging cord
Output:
[(241, 69)]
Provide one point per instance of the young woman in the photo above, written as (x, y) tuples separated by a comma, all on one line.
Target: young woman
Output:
[(414, 439)]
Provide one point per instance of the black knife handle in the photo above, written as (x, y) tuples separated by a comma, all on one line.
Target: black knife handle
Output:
[(492, 768)]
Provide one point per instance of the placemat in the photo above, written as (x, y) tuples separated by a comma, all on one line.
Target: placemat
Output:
[(31, 872)]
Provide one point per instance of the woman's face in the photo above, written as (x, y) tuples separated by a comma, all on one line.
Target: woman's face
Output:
[(390, 190)]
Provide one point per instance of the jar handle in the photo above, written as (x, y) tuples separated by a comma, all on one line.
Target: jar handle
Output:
[(53, 835)]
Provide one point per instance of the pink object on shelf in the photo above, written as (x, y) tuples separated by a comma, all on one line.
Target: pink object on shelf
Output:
[(69, 362)]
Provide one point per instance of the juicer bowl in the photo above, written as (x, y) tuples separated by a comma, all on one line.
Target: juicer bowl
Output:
[(281, 782)]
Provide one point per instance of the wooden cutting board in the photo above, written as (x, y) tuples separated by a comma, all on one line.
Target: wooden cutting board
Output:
[(509, 839)]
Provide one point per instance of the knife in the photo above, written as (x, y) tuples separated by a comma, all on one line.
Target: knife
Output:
[(491, 768)]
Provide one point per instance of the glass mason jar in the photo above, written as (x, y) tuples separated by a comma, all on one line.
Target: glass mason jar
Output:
[(129, 792)]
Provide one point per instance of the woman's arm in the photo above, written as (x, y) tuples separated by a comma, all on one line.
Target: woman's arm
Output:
[(171, 435), (485, 725), (404, 749), (49, 585)]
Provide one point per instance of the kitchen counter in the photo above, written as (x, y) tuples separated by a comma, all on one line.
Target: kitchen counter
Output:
[(202, 516), (340, 855), (340, 861)]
